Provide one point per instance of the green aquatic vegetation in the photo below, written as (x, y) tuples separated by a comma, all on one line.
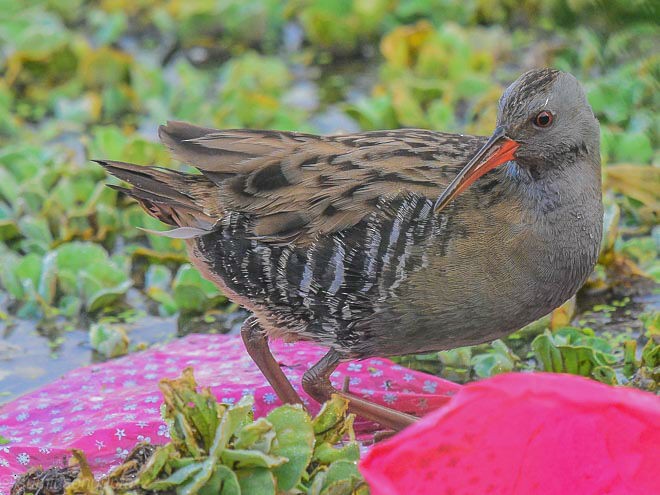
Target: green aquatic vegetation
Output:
[(187, 292), (340, 26), (498, 359), (577, 351), (64, 280), (220, 449), (108, 340)]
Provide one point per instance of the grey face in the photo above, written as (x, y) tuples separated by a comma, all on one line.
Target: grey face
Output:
[(547, 113)]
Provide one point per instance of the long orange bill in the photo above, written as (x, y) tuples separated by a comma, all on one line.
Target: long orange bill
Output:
[(498, 149)]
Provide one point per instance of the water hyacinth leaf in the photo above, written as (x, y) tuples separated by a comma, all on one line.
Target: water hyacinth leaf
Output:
[(572, 350), (223, 481), (651, 353), (605, 374), (17, 270), (8, 227), (341, 478), (167, 303), (497, 359), (9, 188), (85, 269), (258, 435), (183, 434), (36, 232), (234, 418), (176, 479), (158, 276), (547, 353), (203, 417), (190, 299), (241, 459), (188, 275), (202, 479), (153, 467), (104, 297), (28, 270), (108, 340), (325, 453), (256, 480), (330, 424), (48, 278), (294, 440)]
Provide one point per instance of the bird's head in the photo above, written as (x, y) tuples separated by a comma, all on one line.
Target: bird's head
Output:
[(543, 121)]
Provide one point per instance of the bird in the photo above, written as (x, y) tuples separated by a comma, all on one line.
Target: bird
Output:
[(392, 242)]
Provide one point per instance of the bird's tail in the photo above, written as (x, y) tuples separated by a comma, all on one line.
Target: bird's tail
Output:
[(173, 197)]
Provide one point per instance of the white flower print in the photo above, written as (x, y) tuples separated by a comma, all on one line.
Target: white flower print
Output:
[(152, 399), (163, 431), (99, 444), (23, 458), (430, 386), (409, 377), (23, 416), (390, 397), (269, 398), (120, 433)]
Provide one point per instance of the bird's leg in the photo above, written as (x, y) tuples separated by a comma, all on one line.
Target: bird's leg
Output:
[(256, 344), (316, 382)]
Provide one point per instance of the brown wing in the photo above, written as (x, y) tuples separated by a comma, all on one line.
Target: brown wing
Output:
[(297, 186)]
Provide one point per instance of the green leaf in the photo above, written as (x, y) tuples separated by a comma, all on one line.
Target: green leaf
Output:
[(294, 440), (176, 479), (331, 423), (153, 467), (223, 481), (341, 478), (239, 459), (325, 453), (572, 350), (109, 340), (256, 480), (258, 435)]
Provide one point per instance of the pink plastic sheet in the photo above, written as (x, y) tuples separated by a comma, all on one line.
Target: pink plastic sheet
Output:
[(105, 409), (526, 434)]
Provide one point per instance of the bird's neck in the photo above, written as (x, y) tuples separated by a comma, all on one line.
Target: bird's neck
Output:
[(563, 206)]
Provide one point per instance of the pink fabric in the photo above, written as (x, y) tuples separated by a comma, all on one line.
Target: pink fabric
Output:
[(105, 409), (526, 434)]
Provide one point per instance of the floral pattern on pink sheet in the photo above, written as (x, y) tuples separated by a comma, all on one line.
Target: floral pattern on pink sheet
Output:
[(104, 409)]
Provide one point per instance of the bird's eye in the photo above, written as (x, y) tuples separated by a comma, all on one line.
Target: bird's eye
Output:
[(543, 119)]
